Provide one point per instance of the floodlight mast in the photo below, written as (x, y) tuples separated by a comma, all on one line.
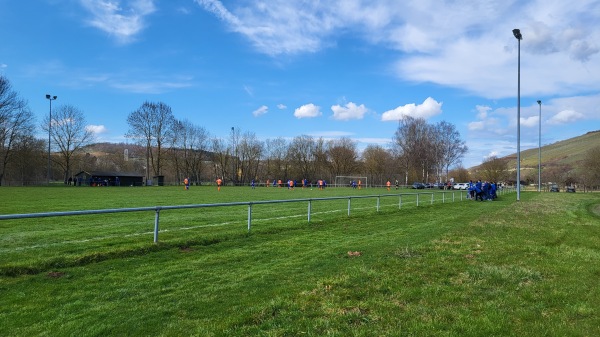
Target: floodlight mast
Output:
[(50, 98), (519, 37)]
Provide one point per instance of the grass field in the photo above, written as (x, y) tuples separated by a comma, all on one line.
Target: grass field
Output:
[(448, 269)]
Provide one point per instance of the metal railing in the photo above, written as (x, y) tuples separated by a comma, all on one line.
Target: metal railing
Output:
[(158, 209)]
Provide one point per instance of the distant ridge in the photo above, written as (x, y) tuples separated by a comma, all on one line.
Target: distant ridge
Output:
[(568, 153)]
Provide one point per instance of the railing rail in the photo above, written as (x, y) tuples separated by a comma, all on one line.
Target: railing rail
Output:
[(158, 209)]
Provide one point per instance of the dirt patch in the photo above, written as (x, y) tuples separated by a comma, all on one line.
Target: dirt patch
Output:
[(185, 249), (55, 274)]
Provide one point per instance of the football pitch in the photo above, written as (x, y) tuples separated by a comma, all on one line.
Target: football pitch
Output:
[(390, 267)]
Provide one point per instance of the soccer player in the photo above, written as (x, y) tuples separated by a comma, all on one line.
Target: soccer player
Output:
[(388, 184), (219, 182)]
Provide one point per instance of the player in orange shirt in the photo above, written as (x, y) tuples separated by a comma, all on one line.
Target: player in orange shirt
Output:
[(219, 182), (388, 184)]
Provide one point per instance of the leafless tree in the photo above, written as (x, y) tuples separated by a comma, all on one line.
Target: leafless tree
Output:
[(493, 169), (343, 156), (301, 155), (276, 161), (590, 170), (413, 140), (16, 123), (69, 133), (28, 163), (452, 147), (220, 158), (188, 150), (250, 151), (377, 163), (151, 125)]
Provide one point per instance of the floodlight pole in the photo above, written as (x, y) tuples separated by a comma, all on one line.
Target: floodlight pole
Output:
[(539, 102), (50, 98), (519, 37)]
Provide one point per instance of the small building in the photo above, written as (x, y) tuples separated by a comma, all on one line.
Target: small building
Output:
[(108, 178)]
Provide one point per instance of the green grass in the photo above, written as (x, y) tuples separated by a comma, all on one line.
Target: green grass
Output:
[(447, 269)]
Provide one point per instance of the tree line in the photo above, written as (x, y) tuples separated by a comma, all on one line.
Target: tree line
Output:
[(159, 144)]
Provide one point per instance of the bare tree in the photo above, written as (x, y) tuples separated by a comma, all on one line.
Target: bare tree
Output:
[(452, 147), (276, 158), (590, 169), (250, 151), (413, 140), (220, 158), (16, 123), (343, 156), (28, 159), (151, 125), (69, 133), (188, 150), (377, 162), (493, 169), (301, 155)]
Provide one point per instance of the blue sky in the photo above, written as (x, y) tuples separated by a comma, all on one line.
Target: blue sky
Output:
[(327, 69)]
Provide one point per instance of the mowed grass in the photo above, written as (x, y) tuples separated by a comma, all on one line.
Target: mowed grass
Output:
[(443, 269)]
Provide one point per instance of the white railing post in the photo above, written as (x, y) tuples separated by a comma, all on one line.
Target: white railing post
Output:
[(400, 201), (309, 208), (156, 218), (417, 199), (349, 206), (432, 198), (378, 200), (249, 216)]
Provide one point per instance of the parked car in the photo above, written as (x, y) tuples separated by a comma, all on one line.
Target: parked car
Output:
[(417, 185), (439, 185), (570, 189), (461, 186), (554, 188)]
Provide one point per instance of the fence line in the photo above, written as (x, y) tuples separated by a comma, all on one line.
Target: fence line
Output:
[(158, 209)]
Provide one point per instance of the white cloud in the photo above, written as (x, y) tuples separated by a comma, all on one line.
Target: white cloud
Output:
[(530, 121), (281, 106), (96, 129), (307, 111), (349, 111), (565, 116), (260, 111), (122, 19), (429, 108), (460, 44)]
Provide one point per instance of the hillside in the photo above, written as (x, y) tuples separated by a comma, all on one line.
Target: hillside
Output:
[(565, 153)]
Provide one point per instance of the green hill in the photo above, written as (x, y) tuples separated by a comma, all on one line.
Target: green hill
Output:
[(567, 153)]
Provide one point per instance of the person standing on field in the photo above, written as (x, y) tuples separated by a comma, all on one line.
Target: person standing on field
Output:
[(219, 182), (388, 184), (186, 183)]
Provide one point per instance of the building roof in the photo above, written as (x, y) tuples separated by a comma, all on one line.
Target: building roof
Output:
[(110, 174)]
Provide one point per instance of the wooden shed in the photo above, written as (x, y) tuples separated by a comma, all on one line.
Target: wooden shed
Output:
[(107, 178)]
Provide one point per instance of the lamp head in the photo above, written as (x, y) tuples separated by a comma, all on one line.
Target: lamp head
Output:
[(539, 102), (517, 34), (47, 96)]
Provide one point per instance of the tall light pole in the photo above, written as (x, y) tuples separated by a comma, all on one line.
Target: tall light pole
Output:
[(517, 34), (50, 98), (540, 149), (233, 158)]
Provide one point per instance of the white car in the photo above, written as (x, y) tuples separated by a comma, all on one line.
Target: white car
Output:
[(461, 186)]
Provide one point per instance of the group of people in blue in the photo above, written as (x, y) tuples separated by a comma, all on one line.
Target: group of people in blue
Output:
[(481, 191)]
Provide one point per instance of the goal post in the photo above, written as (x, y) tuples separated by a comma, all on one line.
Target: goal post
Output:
[(346, 181)]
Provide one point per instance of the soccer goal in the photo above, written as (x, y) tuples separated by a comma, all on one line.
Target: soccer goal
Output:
[(346, 181)]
